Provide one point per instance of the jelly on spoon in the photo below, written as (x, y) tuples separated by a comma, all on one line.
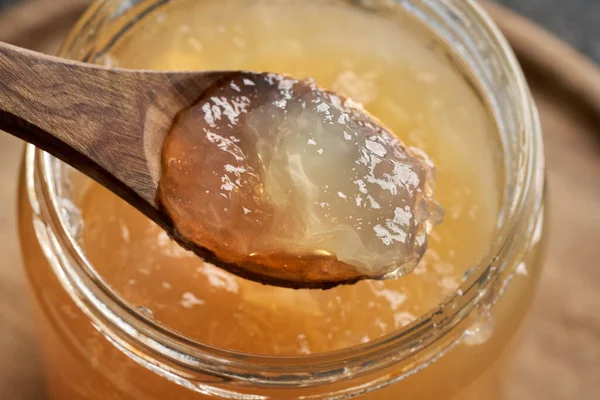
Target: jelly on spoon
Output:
[(292, 185)]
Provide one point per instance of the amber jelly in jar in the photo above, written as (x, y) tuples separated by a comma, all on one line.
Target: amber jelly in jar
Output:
[(124, 313)]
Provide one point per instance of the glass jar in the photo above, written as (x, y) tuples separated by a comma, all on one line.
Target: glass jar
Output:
[(97, 346)]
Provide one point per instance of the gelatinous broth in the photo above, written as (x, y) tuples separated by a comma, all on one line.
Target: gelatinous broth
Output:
[(294, 185), (401, 78)]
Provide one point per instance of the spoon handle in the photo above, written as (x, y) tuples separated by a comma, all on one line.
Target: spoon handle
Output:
[(107, 123), (66, 108), (101, 121)]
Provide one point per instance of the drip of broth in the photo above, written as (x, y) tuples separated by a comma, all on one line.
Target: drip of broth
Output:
[(401, 79)]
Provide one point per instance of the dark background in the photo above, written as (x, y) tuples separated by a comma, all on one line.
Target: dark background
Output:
[(575, 21)]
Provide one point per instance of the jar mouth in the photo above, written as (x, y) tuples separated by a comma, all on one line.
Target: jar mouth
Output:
[(479, 44)]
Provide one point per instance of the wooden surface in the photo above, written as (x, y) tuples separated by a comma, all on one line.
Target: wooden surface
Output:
[(561, 355)]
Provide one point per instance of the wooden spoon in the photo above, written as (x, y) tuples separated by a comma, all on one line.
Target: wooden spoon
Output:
[(111, 124)]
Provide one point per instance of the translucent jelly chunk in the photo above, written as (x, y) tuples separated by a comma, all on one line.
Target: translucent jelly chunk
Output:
[(296, 184)]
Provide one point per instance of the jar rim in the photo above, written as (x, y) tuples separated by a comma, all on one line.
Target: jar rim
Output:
[(130, 329)]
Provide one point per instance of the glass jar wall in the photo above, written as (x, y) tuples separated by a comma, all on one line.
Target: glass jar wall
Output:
[(125, 314)]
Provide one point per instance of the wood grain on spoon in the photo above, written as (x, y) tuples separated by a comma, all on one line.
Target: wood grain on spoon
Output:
[(242, 179), (107, 123)]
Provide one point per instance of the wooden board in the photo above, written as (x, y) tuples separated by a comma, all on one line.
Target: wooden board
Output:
[(561, 355)]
